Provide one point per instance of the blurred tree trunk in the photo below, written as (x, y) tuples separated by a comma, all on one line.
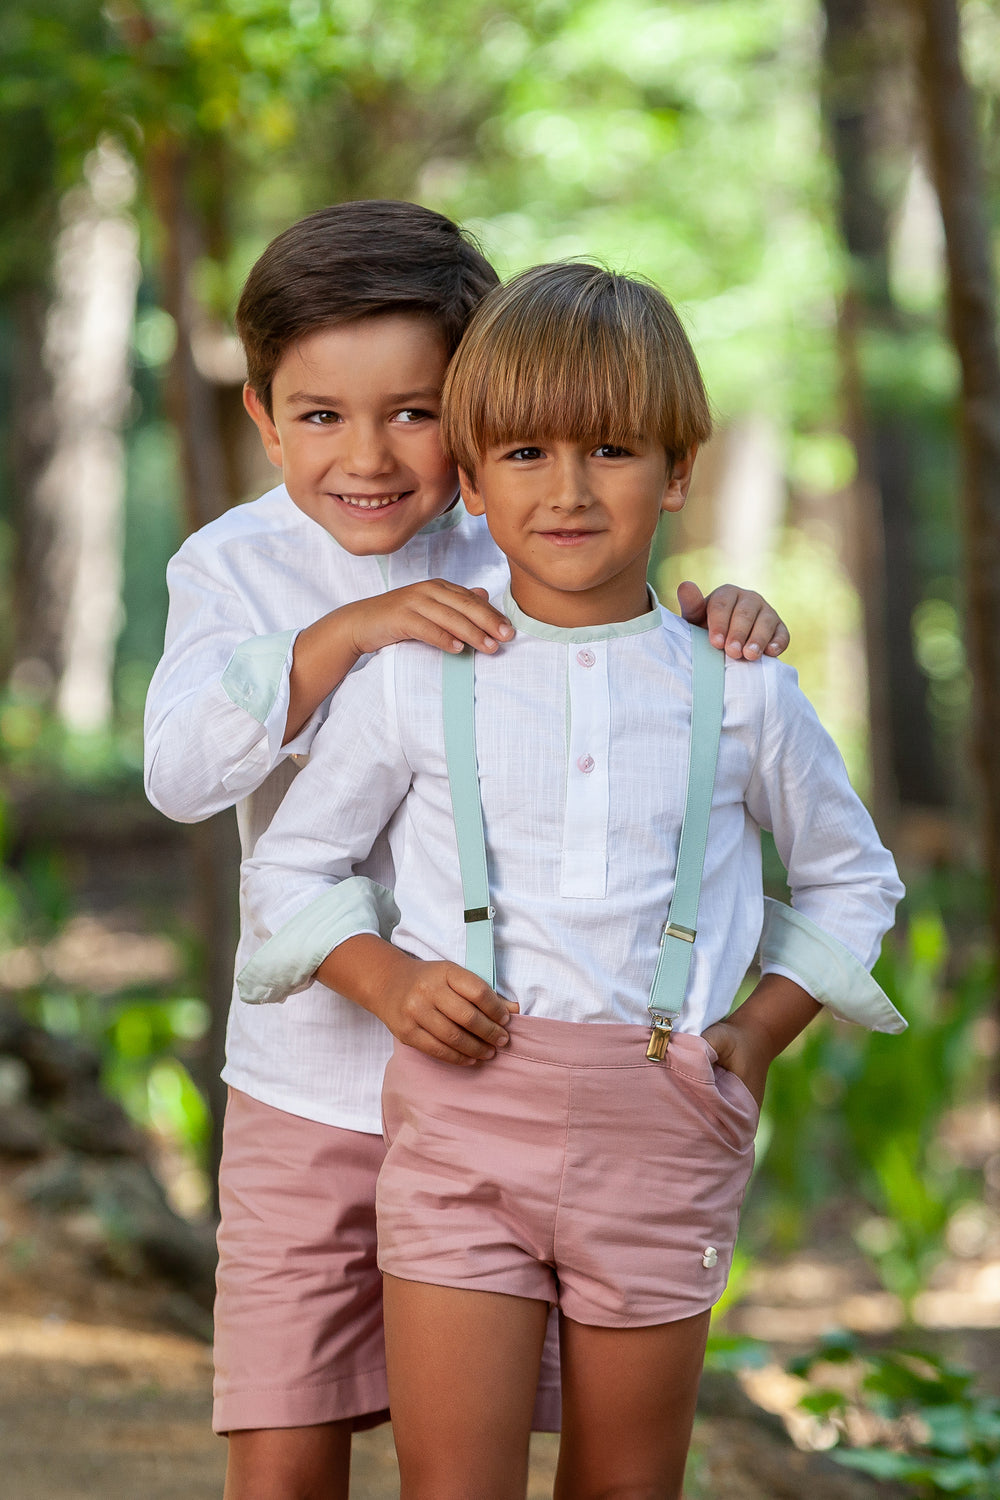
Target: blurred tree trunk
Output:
[(953, 142), (71, 465), (862, 68)]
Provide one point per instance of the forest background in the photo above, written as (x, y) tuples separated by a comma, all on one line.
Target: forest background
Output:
[(817, 187)]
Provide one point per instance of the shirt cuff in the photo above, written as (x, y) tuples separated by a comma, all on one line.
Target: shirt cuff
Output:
[(289, 959), (793, 945)]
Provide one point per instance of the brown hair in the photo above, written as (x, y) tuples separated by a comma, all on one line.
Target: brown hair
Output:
[(576, 352), (356, 260)]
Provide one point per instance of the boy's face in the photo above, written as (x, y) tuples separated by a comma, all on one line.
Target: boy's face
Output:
[(576, 521), (354, 429)]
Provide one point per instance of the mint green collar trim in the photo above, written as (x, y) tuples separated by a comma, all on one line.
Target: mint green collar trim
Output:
[(446, 520), (652, 620)]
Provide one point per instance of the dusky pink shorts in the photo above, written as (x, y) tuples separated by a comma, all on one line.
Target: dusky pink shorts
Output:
[(298, 1311), (568, 1169)]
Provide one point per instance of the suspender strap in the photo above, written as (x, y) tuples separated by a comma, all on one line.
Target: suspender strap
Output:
[(458, 686), (708, 669), (674, 963)]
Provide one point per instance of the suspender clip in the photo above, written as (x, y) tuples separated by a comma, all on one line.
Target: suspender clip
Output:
[(674, 929), (659, 1036), (480, 913)]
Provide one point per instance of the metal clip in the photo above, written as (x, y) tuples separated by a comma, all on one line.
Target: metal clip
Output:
[(480, 913), (659, 1036), (675, 930)]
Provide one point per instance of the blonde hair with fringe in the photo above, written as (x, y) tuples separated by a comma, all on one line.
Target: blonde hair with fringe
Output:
[(575, 352)]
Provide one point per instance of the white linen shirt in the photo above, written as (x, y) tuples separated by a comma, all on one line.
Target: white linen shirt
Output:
[(582, 739), (240, 590)]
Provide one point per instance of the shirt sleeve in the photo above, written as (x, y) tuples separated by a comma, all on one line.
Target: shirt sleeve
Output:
[(301, 896), (218, 701), (843, 882)]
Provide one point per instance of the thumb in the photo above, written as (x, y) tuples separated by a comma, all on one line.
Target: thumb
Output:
[(692, 603)]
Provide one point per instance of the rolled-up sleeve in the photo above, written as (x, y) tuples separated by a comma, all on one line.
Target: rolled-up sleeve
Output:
[(300, 892), (218, 701), (843, 883)]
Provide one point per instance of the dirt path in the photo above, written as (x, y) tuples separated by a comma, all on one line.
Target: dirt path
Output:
[(91, 1409)]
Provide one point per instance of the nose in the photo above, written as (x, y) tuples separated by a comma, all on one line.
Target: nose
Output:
[(570, 488), (366, 453)]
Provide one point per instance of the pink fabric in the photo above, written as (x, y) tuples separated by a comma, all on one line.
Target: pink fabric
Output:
[(298, 1312), (569, 1169)]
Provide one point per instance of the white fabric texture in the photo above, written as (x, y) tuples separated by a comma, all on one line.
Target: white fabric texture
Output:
[(563, 952), (240, 590)]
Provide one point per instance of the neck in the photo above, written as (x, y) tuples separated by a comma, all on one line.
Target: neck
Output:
[(607, 604)]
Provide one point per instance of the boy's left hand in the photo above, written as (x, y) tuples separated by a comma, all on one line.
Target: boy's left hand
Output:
[(744, 1052), (739, 621)]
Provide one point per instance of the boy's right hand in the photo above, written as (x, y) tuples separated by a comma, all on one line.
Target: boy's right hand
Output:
[(446, 1011), (433, 1005), (441, 613)]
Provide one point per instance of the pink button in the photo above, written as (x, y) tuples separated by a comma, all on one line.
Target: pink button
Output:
[(585, 764), (586, 658)]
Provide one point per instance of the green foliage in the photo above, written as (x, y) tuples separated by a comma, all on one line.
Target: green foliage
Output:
[(849, 1112), (940, 1435)]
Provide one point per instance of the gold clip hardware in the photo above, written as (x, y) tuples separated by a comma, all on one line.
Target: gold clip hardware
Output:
[(674, 929), (659, 1037), (479, 913)]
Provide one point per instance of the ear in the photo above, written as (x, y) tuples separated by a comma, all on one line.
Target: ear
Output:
[(264, 423), (679, 481), (471, 497)]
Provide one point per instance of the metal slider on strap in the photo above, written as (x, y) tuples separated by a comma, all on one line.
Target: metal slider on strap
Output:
[(479, 913), (674, 929)]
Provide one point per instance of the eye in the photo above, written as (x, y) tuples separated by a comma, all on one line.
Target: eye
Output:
[(411, 414), (524, 455), (611, 450), (321, 418)]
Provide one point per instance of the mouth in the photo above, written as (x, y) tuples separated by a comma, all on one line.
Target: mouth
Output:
[(567, 538), (368, 504)]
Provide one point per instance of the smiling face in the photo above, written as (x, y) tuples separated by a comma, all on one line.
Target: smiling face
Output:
[(353, 427), (576, 520)]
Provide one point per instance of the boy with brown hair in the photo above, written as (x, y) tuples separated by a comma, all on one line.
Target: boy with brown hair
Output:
[(349, 320)]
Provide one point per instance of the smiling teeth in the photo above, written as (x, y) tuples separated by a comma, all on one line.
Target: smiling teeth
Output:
[(372, 502)]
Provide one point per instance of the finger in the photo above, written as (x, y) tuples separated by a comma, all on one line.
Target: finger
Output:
[(719, 608), (470, 623), (475, 606), (741, 623), (458, 1032), (423, 1041), (692, 602), (470, 988), (779, 641), (762, 633)]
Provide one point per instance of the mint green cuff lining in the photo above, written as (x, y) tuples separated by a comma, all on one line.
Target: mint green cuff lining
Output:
[(824, 967), (289, 959), (254, 675)]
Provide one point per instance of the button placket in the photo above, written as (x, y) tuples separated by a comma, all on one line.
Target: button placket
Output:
[(585, 824)]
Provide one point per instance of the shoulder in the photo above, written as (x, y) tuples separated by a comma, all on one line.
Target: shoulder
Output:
[(271, 513)]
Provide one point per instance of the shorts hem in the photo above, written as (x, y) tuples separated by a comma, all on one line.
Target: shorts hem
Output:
[(362, 1400), (670, 1313)]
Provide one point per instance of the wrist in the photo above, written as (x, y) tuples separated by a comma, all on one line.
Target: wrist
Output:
[(774, 1013), (367, 970)]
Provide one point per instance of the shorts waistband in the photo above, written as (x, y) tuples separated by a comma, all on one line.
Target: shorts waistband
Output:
[(596, 1044)]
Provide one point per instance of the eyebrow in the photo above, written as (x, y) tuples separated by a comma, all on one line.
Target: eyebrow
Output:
[(406, 398)]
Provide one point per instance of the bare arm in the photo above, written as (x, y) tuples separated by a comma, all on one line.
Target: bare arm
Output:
[(761, 1028), (437, 1007)]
